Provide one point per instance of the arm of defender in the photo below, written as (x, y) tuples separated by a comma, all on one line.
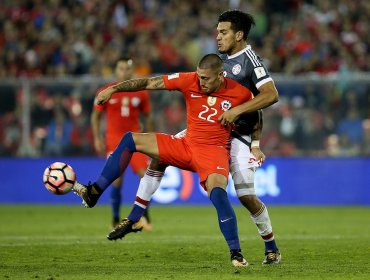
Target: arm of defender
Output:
[(256, 136), (131, 85), (267, 96)]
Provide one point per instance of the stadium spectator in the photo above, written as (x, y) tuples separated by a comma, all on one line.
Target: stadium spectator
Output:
[(58, 38)]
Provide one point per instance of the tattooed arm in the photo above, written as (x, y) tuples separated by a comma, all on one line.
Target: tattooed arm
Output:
[(130, 85)]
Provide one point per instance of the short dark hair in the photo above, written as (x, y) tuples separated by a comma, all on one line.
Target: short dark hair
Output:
[(239, 20), (124, 58), (211, 61)]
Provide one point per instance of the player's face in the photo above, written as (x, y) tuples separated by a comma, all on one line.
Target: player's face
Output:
[(124, 70), (210, 80), (227, 39)]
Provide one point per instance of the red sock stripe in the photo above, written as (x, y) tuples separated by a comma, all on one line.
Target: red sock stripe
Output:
[(154, 173), (259, 212), (142, 201), (268, 236)]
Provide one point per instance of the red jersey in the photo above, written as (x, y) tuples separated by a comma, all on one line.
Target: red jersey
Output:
[(123, 113), (203, 110)]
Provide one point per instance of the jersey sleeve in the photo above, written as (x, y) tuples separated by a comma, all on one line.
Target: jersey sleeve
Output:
[(258, 71), (178, 81)]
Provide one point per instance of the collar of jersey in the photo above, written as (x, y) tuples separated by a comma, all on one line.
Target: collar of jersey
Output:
[(239, 52)]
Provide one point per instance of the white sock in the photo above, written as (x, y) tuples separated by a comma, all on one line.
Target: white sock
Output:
[(263, 223), (149, 184)]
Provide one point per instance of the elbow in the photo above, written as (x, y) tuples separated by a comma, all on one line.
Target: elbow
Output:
[(275, 98), (271, 99)]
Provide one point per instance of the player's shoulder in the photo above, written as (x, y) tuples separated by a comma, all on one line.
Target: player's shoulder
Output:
[(189, 75), (223, 56), (184, 77), (181, 75), (246, 54)]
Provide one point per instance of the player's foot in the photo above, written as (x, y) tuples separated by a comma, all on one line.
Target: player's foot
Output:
[(89, 194), (125, 227), (237, 258), (115, 222), (147, 226), (272, 257)]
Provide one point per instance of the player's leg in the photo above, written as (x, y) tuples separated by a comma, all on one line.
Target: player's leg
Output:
[(115, 199), (150, 182), (169, 148), (148, 185), (242, 169), (117, 164), (146, 218), (216, 188)]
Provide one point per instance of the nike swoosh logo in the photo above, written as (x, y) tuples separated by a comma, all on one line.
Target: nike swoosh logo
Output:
[(195, 96), (219, 168), (228, 219)]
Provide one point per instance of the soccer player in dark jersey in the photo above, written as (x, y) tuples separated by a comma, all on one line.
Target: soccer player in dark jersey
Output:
[(204, 149), (123, 114), (243, 65)]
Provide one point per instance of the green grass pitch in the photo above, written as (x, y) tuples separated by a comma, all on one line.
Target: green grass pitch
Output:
[(68, 242)]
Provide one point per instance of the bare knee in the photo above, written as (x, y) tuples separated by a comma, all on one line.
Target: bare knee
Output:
[(215, 180)]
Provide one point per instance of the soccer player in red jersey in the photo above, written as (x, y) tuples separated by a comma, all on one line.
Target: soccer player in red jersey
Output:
[(123, 113), (243, 65), (204, 149)]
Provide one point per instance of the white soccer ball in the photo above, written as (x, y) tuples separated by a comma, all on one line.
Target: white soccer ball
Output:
[(59, 178)]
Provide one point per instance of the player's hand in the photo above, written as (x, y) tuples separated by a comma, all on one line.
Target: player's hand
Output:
[(229, 117), (258, 154), (104, 96)]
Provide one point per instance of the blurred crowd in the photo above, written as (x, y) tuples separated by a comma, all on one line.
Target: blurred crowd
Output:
[(79, 38)]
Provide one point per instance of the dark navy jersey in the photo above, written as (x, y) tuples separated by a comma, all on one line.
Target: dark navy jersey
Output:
[(247, 68)]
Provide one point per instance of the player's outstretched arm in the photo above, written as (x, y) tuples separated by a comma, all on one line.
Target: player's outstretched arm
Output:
[(268, 95), (131, 85)]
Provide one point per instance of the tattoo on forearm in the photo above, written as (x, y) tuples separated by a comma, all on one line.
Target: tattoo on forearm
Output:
[(140, 84), (131, 85), (157, 83)]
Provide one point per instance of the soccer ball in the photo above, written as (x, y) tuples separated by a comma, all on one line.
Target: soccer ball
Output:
[(59, 178)]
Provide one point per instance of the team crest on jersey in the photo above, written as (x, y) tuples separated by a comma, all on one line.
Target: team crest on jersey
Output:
[(225, 105), (135, 101), (211, 100), (236, 69)]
